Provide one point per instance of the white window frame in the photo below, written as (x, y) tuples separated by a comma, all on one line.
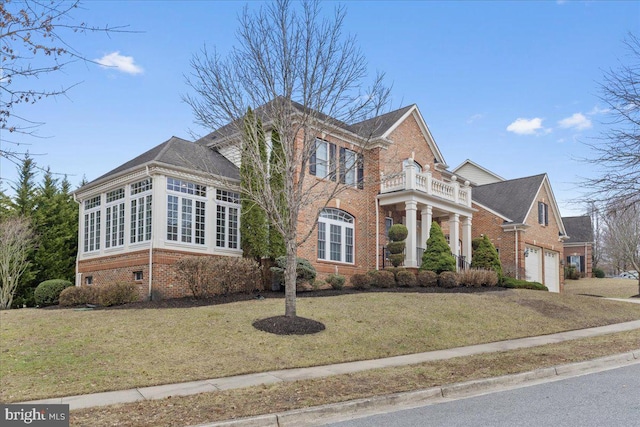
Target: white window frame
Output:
[(188, 226), (114, 218), (350, 167), (141, 214), (227, 220), (92, 224), (336, 236), (322, 164)]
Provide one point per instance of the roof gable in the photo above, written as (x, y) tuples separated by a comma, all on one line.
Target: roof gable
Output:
[(512, 198), (476, 173)]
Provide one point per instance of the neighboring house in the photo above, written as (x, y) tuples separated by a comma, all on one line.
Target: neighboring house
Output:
[(578, 248), (182, 198), (477, 174), (522, 219)]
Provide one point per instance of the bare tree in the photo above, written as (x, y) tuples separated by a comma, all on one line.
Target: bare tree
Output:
[(617, 152), (16, 239), (33, 42), (303, 78), (622, 236)]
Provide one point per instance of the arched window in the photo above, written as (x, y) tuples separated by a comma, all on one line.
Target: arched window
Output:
[(335, 236)]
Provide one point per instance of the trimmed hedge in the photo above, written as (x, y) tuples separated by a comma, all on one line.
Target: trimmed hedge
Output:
[(406, 279), (105, 295), (360, 281), (448, 279), (48, 292), (336, 281), (427, 279), (511, 283)]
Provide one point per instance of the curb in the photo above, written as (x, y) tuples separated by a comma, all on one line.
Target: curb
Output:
[(334, 412)]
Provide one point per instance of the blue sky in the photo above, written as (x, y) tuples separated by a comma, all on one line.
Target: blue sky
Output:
[(512, 86)]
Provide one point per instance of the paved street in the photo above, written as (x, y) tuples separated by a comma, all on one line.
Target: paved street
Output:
[(608, 398)]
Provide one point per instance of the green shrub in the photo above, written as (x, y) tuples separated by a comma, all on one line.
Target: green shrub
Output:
[(398, 232), (406, 279), (336, 281), (360, 281), (396, 247), (599, 273), (374, 277), (396, 259), (510, 282), (78, 295), (386, 279), (116, 294), (448, 279), (486, 257), (305, 272), (437, 257), (427, 279), (48, 292), (476, 278)]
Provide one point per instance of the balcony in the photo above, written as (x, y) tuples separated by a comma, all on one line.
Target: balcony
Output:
[(410, 179)]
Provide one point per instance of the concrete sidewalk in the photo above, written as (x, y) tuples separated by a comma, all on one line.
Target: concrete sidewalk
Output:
[(240, 381)]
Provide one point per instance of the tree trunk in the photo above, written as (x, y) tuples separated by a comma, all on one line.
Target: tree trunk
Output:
[(290, 279)]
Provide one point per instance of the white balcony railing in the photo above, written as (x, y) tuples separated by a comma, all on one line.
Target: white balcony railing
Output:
[(410, 179)]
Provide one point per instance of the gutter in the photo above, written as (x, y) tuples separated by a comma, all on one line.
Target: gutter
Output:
[(78, 282), (153, 217)]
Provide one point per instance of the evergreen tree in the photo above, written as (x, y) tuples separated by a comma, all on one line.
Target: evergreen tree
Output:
[(276, 183), (437, 257), (25, 188), (6, 208), (486, 256), (253, 219)]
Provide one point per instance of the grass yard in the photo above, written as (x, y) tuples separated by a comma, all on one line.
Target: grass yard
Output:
[(608, 287), (49, 353)]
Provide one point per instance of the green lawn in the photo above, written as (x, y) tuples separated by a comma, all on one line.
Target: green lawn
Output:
[(47, 353)]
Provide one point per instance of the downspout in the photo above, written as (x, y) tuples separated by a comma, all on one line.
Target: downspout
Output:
[(377, 234), (78, 282), (153, 199), (515, 231)]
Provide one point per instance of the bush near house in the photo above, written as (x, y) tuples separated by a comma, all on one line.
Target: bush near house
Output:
[(476, 277), (397, 234), (406, 279), (485, 256), (448, 279), (571, 272), (210, 276), (437, 257), (78, 295), (305, 272), (48, 292), (599, 273), (336, 281), (360, 281), (427, 279), (105, 295), (385, 279), (510, 282)]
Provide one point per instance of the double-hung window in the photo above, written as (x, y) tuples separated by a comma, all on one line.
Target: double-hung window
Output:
[(92, 224), (543, 213), (227, 219), (141, 216), (186, 207), (329, 161), (114, 219), (335, 236)]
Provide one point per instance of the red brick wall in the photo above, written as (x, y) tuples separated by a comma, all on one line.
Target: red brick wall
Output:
[(581, 251)]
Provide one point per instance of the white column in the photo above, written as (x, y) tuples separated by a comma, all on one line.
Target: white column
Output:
[(466, 238), (454, 232), (411, 208), (427, 218)]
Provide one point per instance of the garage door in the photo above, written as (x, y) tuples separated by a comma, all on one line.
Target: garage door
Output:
[(533, 264), (551, 269)]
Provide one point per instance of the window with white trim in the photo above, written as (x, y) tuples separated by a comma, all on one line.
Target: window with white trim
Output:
[(335, 236), (227, 219), (92, 224), (141, 214), (186, 215), (543, 213), (114, 219)]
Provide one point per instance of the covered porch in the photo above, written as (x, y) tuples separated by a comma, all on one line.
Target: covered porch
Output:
[(417, 199)]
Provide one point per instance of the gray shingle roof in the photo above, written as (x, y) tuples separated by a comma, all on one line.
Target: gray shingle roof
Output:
[(578, 228), (370, 128), (178, 152), (511, 198)]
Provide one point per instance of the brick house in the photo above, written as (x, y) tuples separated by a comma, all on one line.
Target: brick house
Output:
[(578, 248), (522, 219), (182, 198)]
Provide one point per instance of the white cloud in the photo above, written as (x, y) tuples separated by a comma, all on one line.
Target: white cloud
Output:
[(577, 121), (526, 126), (119, 62)]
